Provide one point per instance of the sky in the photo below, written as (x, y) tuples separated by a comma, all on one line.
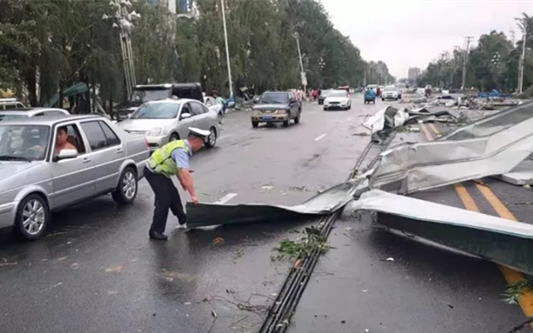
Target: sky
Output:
[(411, 33)]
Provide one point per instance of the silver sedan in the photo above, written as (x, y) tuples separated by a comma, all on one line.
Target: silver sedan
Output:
[(47, 163), (169, 119)]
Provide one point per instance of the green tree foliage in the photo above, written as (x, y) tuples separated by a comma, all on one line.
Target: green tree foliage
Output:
[(491, 64), (48, 45)]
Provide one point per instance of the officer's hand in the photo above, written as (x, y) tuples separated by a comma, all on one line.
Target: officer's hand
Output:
[(194, 200)]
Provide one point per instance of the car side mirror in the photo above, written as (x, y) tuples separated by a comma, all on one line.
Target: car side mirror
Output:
[(293, 100), (66, 154), (129, 115), (185, 115)]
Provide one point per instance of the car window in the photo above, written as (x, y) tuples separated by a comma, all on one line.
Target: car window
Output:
[(39, 114), (95, 135), (186, 109), (274, 98), (197, 109), (208, 101), (111, 136), (74, 138), (156, 111), (24, 141)]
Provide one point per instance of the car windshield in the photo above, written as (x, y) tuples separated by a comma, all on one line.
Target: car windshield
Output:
[(150, 95), (156, 111), (279, 98), (337, 93), (10, 116), (23, 142), (389, 89)]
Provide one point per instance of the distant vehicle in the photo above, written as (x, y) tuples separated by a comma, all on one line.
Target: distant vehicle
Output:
[(31, 112), (10, 103), (169, 120), (35, 179), (322, 97), (391, 92), (338, 100), (276, 106), (214, 105), (155, 92), (370, 96)]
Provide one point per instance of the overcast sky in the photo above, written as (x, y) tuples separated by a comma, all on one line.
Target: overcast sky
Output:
[(411, 33)]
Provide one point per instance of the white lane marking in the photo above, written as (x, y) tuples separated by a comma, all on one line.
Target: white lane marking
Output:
[(318, 138), (226, 198)]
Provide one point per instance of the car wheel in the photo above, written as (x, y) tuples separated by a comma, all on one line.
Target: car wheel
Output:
[(32, 217), (174, 137), (297, 119), (212, 138), (126, 190), (255, 124)]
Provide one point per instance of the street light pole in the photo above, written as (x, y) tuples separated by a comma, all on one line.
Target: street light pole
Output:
[(521, 64), (227, 48)]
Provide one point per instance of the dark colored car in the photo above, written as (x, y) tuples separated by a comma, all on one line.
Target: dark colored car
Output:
[(322, 97), (276, 106), (154, 92)]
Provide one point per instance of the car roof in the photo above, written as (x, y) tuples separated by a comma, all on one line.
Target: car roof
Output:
[(277, 92), (48, 120), (173, 101), (30, 111)]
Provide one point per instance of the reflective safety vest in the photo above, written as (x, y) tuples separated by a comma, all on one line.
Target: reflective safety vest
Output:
[(161, 161)]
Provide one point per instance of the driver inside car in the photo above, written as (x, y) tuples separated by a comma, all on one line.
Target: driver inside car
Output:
[(62, 141)]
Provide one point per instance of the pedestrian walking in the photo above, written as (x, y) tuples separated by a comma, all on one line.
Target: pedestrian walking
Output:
[(169, 160)]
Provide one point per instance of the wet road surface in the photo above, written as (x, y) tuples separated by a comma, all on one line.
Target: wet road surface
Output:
[(97, 271), (355, 289)]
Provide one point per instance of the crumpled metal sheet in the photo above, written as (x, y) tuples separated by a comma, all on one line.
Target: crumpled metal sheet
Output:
[(506, 242), (521, 175), (327, 202), (490, 146)]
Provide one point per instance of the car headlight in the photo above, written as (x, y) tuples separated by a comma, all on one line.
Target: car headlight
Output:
[(155, 131)]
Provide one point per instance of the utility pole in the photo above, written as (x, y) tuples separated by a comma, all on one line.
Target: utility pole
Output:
[(465, 59), (121, 19), (521, 63), (302, 71), (227, 48)]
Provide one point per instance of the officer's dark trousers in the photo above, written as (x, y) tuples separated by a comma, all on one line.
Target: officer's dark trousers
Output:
[(166, 196)]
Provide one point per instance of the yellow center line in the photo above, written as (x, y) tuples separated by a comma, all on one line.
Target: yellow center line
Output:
[(511, 276), (434, 129)]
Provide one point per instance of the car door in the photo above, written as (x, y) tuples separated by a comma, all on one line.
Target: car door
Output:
[(294, 105), (107, 153), (185, 123), (200, 113), (72, 179)]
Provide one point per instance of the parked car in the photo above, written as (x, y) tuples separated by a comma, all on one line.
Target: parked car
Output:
[(322, 97), (168, 120), (32, 112), (10, 103), (214, 105), (36, 179), (154, 92), (276, 106), (338, 100), (391, 92)]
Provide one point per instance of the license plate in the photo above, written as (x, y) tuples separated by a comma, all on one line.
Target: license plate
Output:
[(267, 117)]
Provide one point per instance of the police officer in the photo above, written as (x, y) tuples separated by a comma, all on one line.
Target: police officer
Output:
[(172, 159)]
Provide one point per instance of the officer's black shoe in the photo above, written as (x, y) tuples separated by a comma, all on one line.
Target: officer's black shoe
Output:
[(158, 236)]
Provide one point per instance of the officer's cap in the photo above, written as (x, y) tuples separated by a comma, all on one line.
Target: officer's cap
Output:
[(199, 133)]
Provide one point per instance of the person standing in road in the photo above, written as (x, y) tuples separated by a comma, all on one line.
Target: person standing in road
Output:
[(169, 160)]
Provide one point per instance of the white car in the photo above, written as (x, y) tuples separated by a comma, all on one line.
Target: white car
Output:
[(391, 92), (338, 100), (214, 105), (167, 120)]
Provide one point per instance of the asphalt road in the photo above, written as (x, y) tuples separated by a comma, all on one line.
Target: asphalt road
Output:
[(97, 271)]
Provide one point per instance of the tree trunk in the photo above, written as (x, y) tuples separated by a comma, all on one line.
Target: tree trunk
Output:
[(31, 83)]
